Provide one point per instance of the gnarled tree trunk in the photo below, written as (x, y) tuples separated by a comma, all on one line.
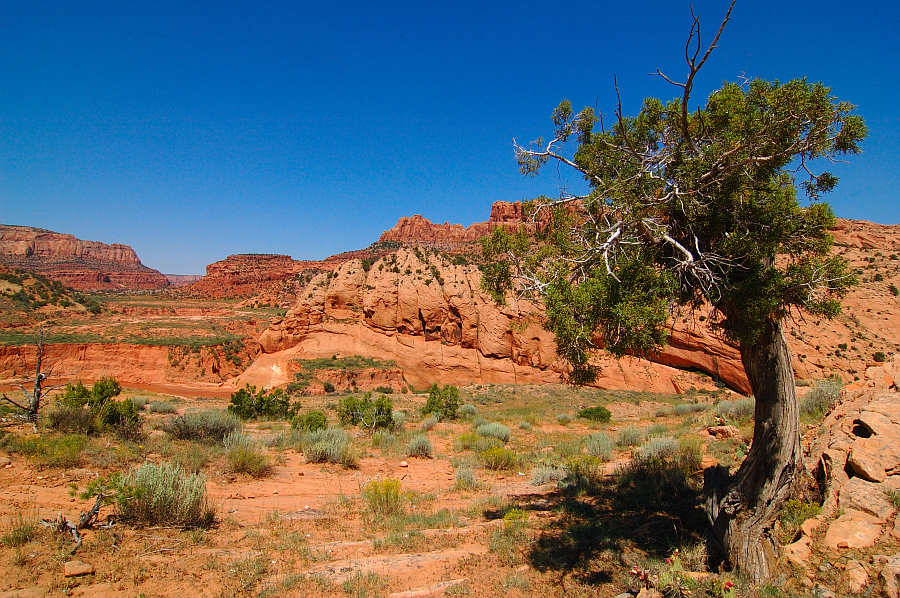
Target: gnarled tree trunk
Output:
[(743, 508)]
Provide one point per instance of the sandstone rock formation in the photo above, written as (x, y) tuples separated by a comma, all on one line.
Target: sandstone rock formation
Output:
[(82, 265), (431, 317), (417, 230)]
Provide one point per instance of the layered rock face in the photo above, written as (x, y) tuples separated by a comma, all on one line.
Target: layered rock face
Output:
[(432, 318), (82, 265), (246, 275)]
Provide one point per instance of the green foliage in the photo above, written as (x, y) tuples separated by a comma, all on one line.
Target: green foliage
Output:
[(498, 458), (22, 528), (545, 474), (465, 479), (383, 498), (208, 425), (164, 495), (894, 497), (419, 446), (104, 413), (310, 421), (328, 386), (329, 446), (248, 403), (821, 398), (442, 402), (629, 436), (879, 357), (741, 410), (365, 413), (600, 445), (494, 430), (796, 511), (244, 455), (467, 410), (688, 207), (161, 407), (597, 414), (428, 423), (49, 450)]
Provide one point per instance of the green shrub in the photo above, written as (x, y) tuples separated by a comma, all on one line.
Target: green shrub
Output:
[(821, 398), (465, 479), (442, 402), (164, 495), (120, 416), (498, 458), (328, 387), (140, 402), (656, 430), (243, 454), (600, 445), (385, 390), (310, 421), (161, 407), (894, 497), (419, 446), (564, 419), (383, 498), (365, 413), (658, 448), (49, 450), (629, 436), (70, 419), (739, 410), (467, 410), (209, 425), (689, 408), (545, 474), (383, 438), (894, 290), (398, 420), (597, 414), (494, 430), (795, 512), (879, 357), (329, 446), (428, 423), (248, 403), (583, 470)]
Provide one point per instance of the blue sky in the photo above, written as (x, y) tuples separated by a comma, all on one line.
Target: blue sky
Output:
[(191, 131)]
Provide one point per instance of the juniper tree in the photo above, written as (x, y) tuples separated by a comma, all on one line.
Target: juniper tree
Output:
[(695, 210)]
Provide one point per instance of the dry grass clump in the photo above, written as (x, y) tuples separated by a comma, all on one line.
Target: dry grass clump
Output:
[(465, 479), (49, 450), (419, 446), (600, 445), (244, 455), (208, 425), (498, 458), (164, 495), (329, 446)]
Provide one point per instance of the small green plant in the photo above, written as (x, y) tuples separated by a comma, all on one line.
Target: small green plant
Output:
[(629, 436), (208, 425), (140, 402), (498, 458), (545, 474), (740, 410), (48, 450), (383, 438), (161, 407), (564, 419), (879, 357), (364, 585), (383, 498), (894, 290), (894, 497), (164, 495), (365, 413), (600, 445), (660, 447), (583, 470), (329, 446), (821, 398), (21, 528), (248, 403), (468, 410), (598, 414), (494, 430), (465, 479), (419, 446), (328, 387), (442, 402), (310, 421), (243, 454), (428, 423)]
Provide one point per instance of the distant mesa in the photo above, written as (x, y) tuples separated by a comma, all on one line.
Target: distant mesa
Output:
[(176, 281), (82, 265)]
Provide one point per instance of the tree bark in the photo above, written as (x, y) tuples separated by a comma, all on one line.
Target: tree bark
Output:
[(743, 508)]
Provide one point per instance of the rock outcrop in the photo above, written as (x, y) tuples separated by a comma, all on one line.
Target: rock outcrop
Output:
[(431, 317), (417, 230), (82, 265)]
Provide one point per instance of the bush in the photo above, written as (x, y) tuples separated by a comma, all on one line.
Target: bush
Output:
[(328, 386), (384, 498), (658, 448), (600, 445), (545, 474), (428, 423), (164, 495), (689, 408), (494, 430), (248, 403), (564, 419), (310, 421), (442, 402), (71, 420), (329, 446), (398, 420), (583, 470), (385, 390), (140, 402), (161, 407), (467, 410), (50, 450), (419, 446), (879, 357), (465, 479), (365, 413), (120, 416), (821, 398), (243, 454), (629, 436), (597, 414), (498, 458), (209, 425), (22, 529), (740, 410), (383, 438)]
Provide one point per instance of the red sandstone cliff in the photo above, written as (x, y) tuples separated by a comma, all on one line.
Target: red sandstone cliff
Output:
[(82, 265), (417, 230)]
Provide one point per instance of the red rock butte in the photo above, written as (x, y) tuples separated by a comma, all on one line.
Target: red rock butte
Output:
[(82, 265)]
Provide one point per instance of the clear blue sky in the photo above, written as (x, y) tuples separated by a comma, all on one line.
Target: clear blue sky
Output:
[(193, 130)]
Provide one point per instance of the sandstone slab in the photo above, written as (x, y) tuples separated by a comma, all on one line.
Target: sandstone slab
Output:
[(868, 497), (77, 568), (853, 530), (857, 577), (799, 552)]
